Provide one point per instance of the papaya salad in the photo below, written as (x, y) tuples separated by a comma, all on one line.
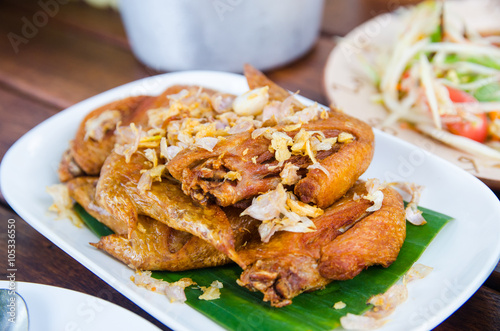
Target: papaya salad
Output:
[(443, 78)]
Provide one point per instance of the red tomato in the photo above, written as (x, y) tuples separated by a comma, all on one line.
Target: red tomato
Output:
[(475, 129)]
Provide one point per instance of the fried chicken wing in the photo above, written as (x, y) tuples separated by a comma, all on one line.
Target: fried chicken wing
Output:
[(255, 79), (204, 174), (82, 190), (156, 246), (344, 166), (118, 193), (377, 240), (95, 138), (292, 263), (152, 244)]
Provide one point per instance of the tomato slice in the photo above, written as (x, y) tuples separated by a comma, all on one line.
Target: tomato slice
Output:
[(475, 127)]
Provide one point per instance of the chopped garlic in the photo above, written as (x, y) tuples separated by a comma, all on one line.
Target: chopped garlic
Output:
[(272, 208), (63, 205), (265, 131), (339, 305), (305, 115), (384, 304), (413, 214), (233, 175), (303, 209), (173, 291), (292, 127), (267, 206), (96, 127), (417, 271), (150, 154), (345, 137), (318, 166), (279, 144), (150, 176), (289, 174), (207, 143), (222, 102), (251, 102), (150, 141), (374, 194), (128, 139), (157, 116), (212, 292), (172, 151), (163, 148)]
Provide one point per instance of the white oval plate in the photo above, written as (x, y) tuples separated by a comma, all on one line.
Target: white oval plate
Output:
[(463, 254), (56, 308), (348, 90)]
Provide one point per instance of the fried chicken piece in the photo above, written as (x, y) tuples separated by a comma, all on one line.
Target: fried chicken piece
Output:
[(292, 263), (255, 79), (152, 244), (204, 173), (118, 193), (82, 190), (344, 166), (95, 138), (377, 240), (156, 246)]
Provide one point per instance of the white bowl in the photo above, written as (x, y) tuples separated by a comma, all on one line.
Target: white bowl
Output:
[(171, 35)]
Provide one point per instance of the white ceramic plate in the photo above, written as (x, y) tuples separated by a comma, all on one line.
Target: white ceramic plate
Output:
[(346, 87), (463, 254), (55, 308)]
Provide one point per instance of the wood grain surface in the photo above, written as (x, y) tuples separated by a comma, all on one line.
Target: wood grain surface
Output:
[(81, 51)]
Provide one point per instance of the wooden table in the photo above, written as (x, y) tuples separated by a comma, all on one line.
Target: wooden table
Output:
[(76, 51)]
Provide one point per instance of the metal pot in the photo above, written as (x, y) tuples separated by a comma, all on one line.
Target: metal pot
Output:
[(170, 35)]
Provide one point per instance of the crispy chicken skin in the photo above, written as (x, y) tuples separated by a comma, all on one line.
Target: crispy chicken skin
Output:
[(202, 172), (256, 79), (152, 244), (87, 154), (82, 190), (344, 166), (117, 192), (156, 246), (292, 263), (375, 240)]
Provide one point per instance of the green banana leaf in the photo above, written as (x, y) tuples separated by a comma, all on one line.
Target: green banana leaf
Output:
[(240, 309)]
